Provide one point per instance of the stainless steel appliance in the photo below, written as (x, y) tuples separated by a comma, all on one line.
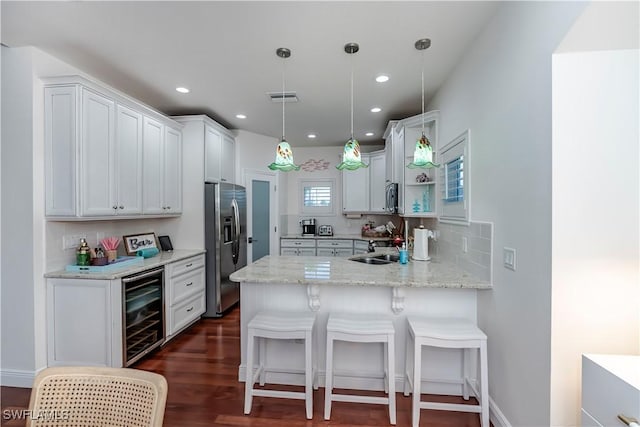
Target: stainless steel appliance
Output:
[(143, 312), (308, 227), (226, 243), (391, 198), (325, 230)]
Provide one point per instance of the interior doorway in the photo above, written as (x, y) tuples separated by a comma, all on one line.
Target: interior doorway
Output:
[(262, 231)]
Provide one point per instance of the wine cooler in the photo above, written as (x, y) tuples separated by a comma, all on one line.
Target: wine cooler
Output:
[(143, 311)]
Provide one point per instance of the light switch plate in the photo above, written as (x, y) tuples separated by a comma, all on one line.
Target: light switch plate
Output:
[(72, 241), (464, 244), (509, 258)]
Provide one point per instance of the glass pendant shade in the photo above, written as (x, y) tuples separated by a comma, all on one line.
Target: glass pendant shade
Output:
[(423, 155), (352, 159), (284, 158)]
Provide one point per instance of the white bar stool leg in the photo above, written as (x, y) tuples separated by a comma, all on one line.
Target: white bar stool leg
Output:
[(385, 366), (308, 376), (262, 343), (484, 384), (248, 384), (329, 377), (466, 377), (391, 377), (407, 364), (417, 382)]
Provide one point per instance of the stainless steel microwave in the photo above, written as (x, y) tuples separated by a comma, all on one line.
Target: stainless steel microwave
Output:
[(391, 198)]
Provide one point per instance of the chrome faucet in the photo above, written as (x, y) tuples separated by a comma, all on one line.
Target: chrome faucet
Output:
[(372, 246)]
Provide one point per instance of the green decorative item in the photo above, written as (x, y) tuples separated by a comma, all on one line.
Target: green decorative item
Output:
[(284, 153), (352, 159), (284, 158), (423, 155)]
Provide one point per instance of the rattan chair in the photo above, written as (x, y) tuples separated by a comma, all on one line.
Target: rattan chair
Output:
[(97, 396)]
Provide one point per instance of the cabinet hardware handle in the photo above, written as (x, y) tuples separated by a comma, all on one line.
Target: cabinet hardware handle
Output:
[(631, 422), (168, 207), (115, 207), (164, 207), (222, 179), (189, 265), (189, 309), (189, 284), (121, 207)]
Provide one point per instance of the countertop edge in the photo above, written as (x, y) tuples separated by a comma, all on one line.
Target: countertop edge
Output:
[(162, 259)]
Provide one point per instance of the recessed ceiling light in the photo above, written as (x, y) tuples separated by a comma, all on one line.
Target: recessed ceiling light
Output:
[(182, 89), (369, 134), (311, 135), (382, 78), (241, 116), (376, 109)]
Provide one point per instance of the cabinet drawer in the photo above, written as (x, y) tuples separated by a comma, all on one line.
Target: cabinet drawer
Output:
[(307, 252), (183, 314), (298, 243), (186, 265), (335, 243), (343, 252), (361, 245), (186, 285)]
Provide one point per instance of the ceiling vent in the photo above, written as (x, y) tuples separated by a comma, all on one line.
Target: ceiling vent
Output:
[(276, 97)]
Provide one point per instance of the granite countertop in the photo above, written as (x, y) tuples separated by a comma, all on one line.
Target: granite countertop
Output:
[(335, 236), (310, 270), (159, 260)]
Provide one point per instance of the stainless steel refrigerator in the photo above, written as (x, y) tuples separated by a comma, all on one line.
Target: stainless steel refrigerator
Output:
[(226, 243)]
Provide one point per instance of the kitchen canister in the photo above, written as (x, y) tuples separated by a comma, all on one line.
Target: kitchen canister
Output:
[(421, 244)]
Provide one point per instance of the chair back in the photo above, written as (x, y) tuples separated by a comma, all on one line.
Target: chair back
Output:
[(97, 396)]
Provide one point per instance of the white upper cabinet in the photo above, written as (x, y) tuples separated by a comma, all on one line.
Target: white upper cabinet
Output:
[(377, 184), (104, 153), (162, 160), (217, 145)]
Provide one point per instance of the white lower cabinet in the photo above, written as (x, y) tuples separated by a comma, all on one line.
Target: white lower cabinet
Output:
[(84, 322), (298, 247), (335, 247), (185, 285), (360, 247), (610, 387)]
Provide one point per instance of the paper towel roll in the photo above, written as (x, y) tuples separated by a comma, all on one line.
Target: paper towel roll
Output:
[(421, 244)]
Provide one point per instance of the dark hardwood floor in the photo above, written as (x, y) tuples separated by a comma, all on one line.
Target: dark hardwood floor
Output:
[(201, 367)]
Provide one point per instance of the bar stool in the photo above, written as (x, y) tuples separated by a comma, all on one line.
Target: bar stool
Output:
[(363, 329), (283, 326), (447, 333)]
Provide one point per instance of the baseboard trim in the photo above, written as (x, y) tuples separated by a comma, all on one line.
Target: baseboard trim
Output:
[(497, 417), (16, 378)]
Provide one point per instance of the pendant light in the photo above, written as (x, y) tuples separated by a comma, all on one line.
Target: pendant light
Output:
[(284, 154), (423, 154), (351, 159)]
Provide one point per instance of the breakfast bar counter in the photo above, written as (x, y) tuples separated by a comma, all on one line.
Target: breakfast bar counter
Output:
[(333, 284)]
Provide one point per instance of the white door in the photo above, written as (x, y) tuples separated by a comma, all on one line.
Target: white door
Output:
[(172, 171), (227, 166), (128, 161), (212, 150), (152, 167), (377, 185), (255, 183)]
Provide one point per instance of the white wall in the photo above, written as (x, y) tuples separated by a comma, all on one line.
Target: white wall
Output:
[(596, 218), (501, 90), (18, 284)]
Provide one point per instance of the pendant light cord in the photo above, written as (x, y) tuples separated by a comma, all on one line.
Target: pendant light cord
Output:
[(351, 96), (422, 80), (283, 67)]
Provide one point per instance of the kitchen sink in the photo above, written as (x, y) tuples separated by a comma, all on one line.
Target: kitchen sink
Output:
[(372, 260), (388, 257)]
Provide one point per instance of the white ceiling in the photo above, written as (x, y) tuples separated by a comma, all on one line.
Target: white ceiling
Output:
[(225, 53)]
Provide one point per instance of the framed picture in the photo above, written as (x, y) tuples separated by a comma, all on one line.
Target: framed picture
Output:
[(136, 242)]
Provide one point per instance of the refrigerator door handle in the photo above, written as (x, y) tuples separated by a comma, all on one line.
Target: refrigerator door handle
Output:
[(235, 246)]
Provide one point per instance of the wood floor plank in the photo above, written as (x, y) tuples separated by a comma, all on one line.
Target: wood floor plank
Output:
[(201, 367)]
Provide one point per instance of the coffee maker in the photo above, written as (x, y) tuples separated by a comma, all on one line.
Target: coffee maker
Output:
[(308, 227)]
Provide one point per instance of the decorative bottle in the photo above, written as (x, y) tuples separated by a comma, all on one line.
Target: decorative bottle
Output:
[(83, 253)]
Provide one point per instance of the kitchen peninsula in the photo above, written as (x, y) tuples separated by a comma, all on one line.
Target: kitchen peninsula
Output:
[(334, 284)]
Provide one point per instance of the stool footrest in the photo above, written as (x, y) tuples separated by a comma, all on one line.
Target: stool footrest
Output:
[(450, 407), (359, 399), (279, 393)]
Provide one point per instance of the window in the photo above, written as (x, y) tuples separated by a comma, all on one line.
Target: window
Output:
[(317, 197), (454, 179)]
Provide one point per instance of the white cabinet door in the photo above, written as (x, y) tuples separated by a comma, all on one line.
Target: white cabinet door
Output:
[(227, 166), (60, 150), (399, 166), (325, 251), (98, 196), (213, 151), (377, 182), (172, 171), (355, 189), (128, 174), (289, 251), (152, 167)]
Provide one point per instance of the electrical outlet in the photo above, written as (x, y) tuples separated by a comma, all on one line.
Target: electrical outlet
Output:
[(99, 236), (509, 258), (72, 241), (464, 244)]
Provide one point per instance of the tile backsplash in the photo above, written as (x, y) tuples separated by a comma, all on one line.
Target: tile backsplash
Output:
[(479, 241)]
